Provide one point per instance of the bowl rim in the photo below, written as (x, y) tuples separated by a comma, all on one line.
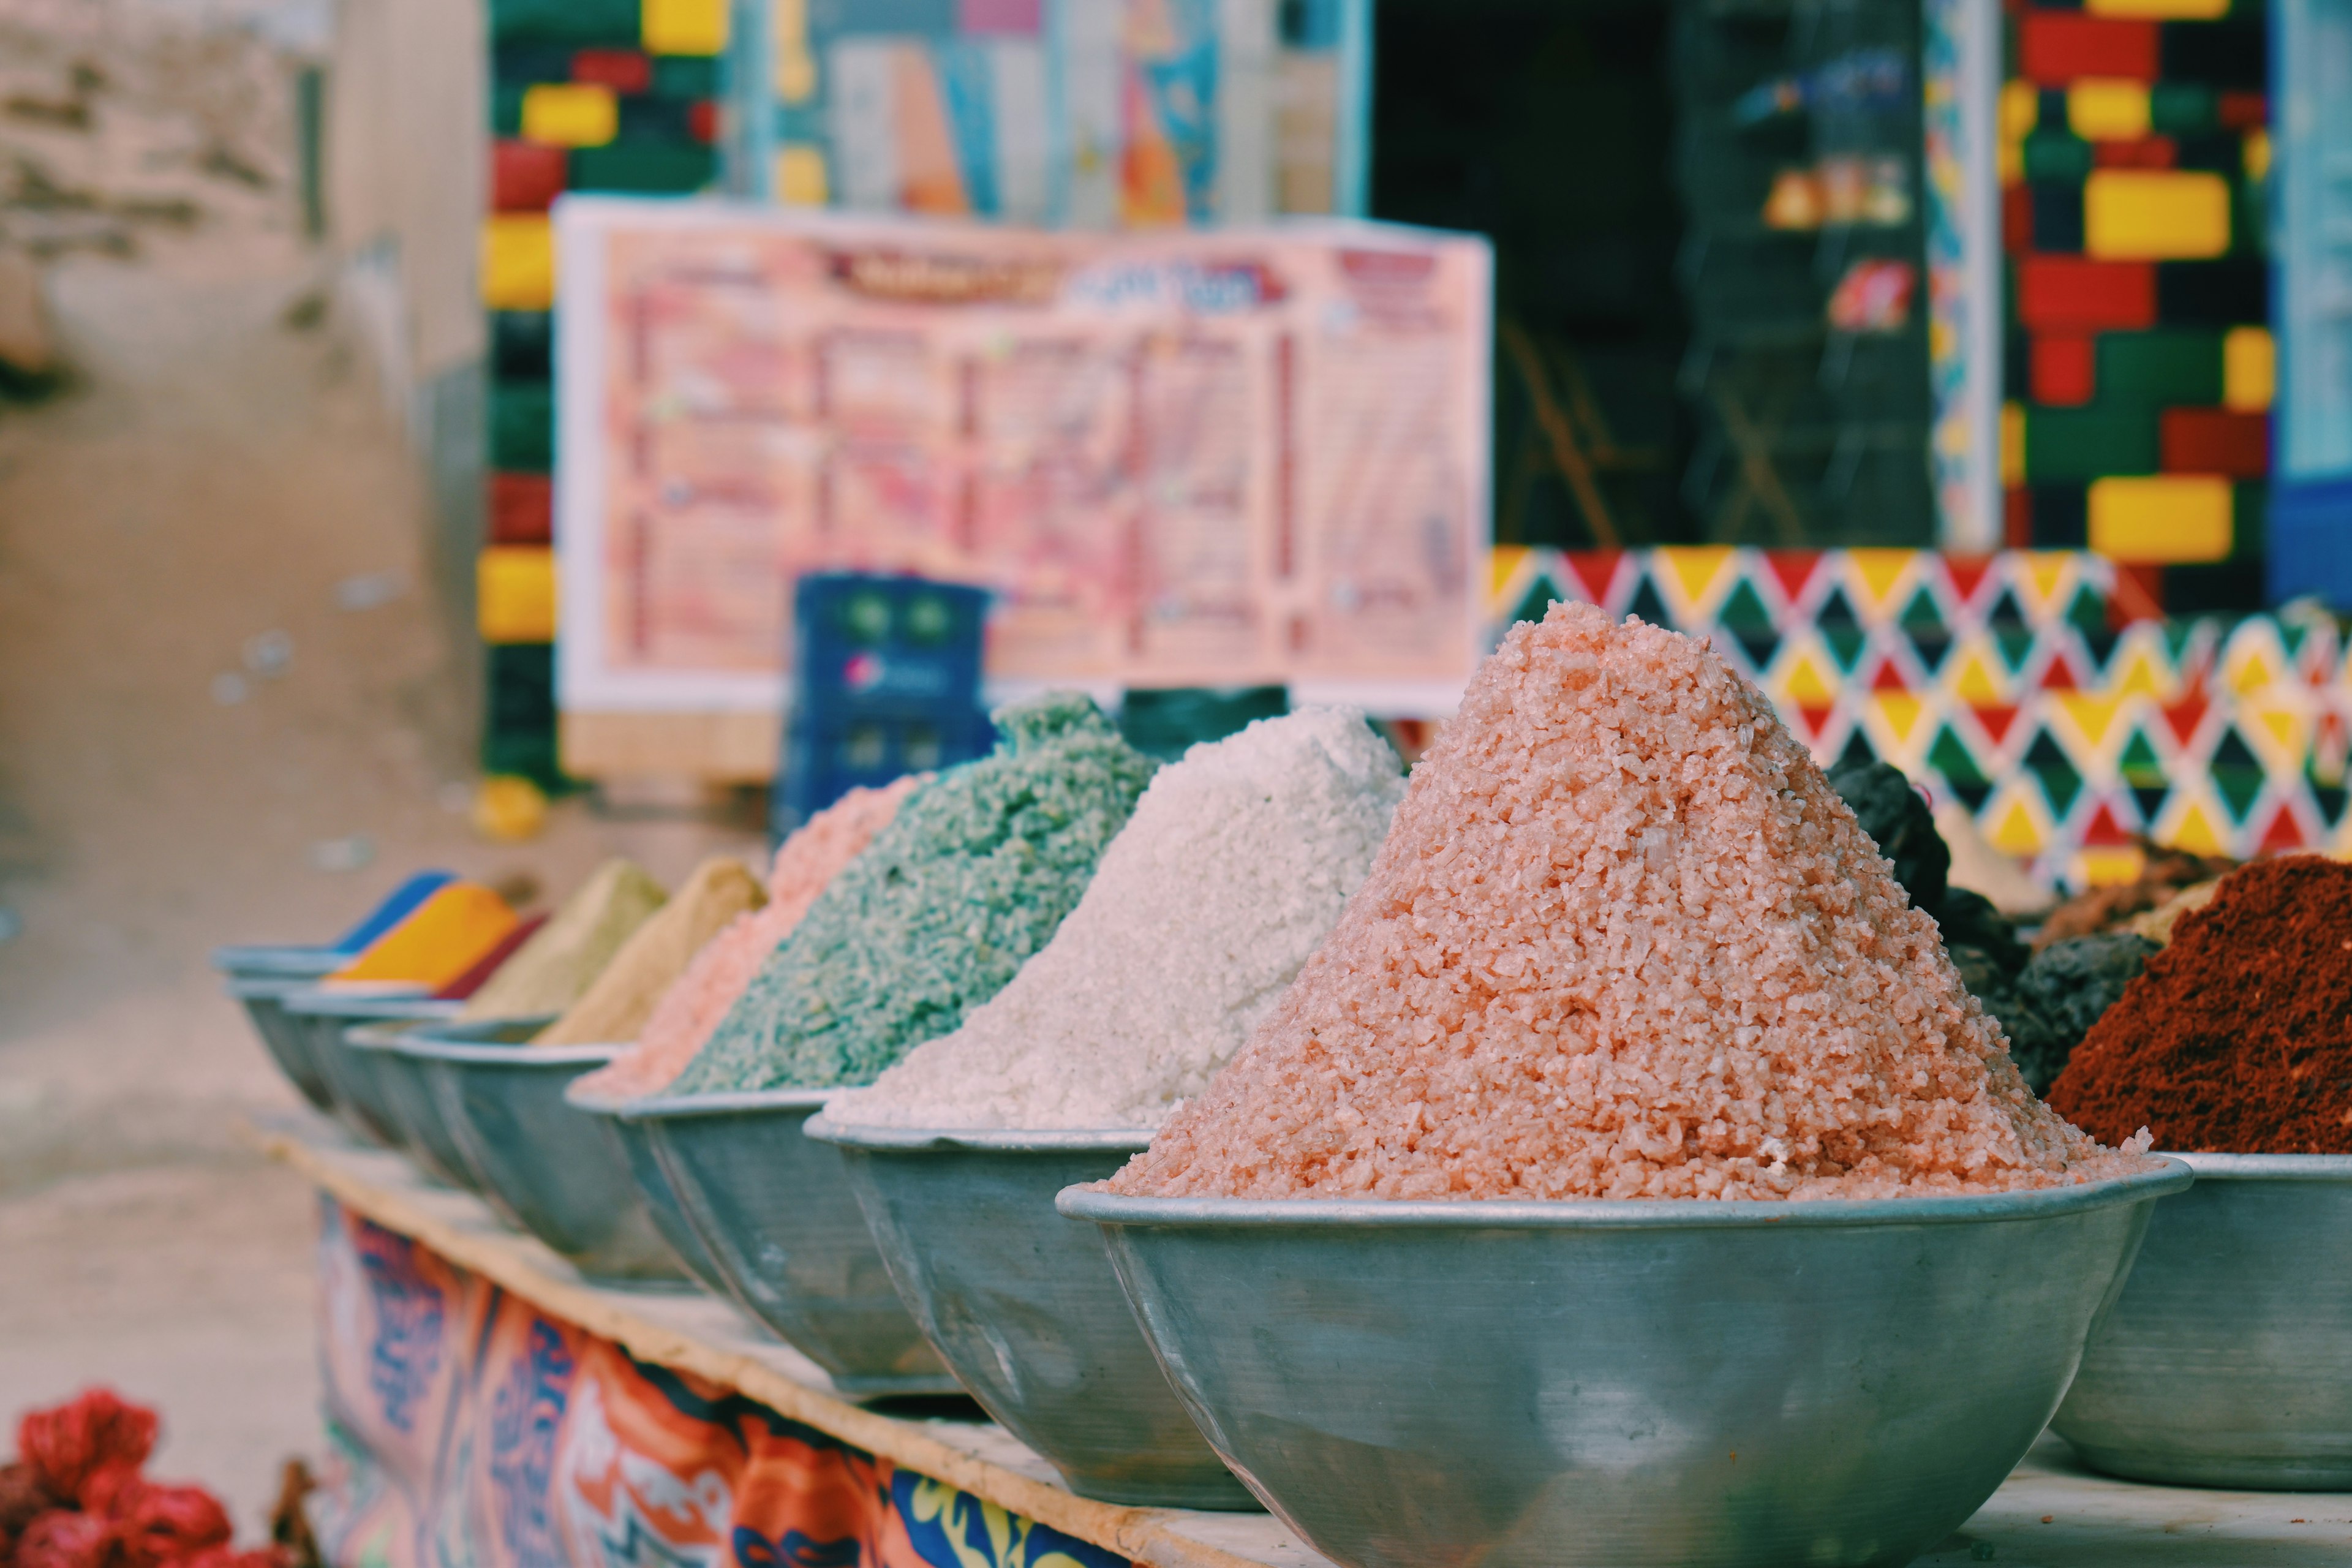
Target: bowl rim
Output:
[(2224, 1167), (520, 1053), (682, 1107), (873, 1138), (407, 1002), (380, 1036), (278, 960), (595, 1104), (249, 987), (1108, 1209)]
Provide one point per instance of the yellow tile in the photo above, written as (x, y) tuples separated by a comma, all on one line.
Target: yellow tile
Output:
[(2021, 109), (2258, 154), (2160, 10), (2016, 833), (800, 176), (570, 114), (2013, 444), (683, 26), (2249, 370), (2161, 517), (517, 262), (2194, 832), (514, 590), (795, 66), (2104, 109), (2009, 162), (2150, 215)]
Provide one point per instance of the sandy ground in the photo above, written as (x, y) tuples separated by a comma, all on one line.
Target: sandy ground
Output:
[(215, 475)]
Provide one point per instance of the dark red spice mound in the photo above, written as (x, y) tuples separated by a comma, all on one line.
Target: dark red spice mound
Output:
[(2237, 1038)]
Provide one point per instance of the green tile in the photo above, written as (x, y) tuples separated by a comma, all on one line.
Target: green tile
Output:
[(2057, 155), (686, 76), (2180, 108), (644, 168), (2161, 369), (614, 23), (2083, 444), (522, 426)]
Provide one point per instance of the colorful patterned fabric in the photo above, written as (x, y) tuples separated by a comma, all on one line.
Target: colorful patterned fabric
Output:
[(2036, 687), (469, 1428)]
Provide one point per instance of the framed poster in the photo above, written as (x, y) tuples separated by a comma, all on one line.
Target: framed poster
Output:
[(1221, 458)]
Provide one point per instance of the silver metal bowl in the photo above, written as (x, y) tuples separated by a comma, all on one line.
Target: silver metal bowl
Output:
[(2227, 1359), (775, 1212), (278, 961), (653, 1186), (546, 1167), (325, 1016), (1022, 1306), (1618, 1384), (263, 998), (414, 1109)]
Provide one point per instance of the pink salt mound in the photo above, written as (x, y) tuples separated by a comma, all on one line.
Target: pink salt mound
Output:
[(691, 1008), (1623, 941)]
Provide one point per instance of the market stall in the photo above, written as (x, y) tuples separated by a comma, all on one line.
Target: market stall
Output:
[(487, 1397)]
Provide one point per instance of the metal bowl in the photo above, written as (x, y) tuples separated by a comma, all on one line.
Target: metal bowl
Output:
[(653, 1186), (1835, 1384), (414, 1109), (287, 1041), (784, 1233), (1022, 1306), (2227, 1359), (278, 961), (546, 1167), (325, 1015)]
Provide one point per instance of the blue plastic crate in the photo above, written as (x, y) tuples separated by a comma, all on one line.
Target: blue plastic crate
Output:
[(886, 677)]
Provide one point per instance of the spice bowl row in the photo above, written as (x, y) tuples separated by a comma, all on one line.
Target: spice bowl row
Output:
[(1393, 1382)]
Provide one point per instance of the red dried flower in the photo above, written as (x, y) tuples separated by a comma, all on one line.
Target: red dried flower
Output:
[(62, 1538), (23, 1499), (67, 1443), (160, 1527)]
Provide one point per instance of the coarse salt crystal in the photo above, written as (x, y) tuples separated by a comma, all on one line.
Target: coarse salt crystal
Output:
[(1235, 864)]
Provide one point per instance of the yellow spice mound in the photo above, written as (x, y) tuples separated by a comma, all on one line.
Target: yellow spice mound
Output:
[(1623, 941)]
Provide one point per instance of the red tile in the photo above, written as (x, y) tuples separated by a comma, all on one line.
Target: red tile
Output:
[(2017, 518), (524, 177), (702, 121), (522, 509), (2147, 152), (2017, 218), (2216, 441), (622, 70), (2243, 111), (2075, 294), (2064, 373), (2055, 48)]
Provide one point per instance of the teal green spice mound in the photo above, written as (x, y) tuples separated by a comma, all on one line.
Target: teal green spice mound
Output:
[(970, 877)]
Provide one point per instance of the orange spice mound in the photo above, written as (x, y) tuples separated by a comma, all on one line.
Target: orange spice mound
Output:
[(1623, 941)]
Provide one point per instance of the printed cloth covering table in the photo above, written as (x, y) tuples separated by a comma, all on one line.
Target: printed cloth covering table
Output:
[(469, 1428)]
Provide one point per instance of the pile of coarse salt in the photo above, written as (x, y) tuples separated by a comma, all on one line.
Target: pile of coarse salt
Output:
[(691, 1008), (1231, 872), (1623, 941)]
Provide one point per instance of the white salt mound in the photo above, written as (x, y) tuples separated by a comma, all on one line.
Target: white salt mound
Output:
[(1231, 871)]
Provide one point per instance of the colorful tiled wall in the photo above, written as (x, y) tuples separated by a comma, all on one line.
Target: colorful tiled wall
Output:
[(2140, 365), (2041, 690), (586, 95)]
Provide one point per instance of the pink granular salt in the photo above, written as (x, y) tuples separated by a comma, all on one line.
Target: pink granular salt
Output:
[(691, 1008), (1623, 941)]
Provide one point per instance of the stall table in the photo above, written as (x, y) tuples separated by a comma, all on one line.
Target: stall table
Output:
[(486, 1405)]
